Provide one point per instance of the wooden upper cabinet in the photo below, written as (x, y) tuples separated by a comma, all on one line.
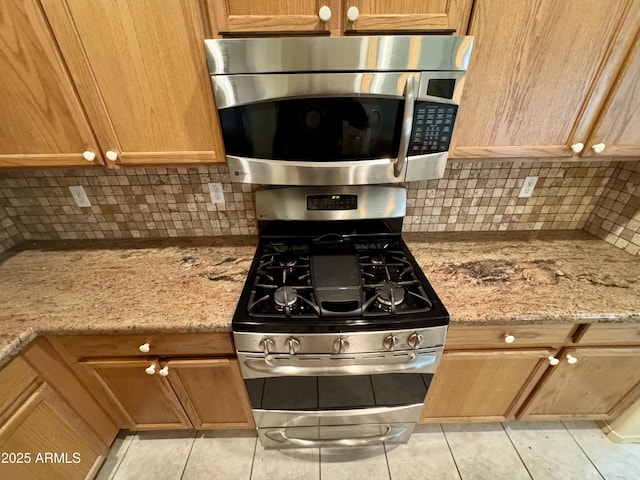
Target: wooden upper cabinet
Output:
[(41, 119), (362, 16), (273, 16), (141, 72), (537, 73)]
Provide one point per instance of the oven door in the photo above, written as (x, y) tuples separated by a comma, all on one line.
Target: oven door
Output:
[(337, 400), (337, 128)]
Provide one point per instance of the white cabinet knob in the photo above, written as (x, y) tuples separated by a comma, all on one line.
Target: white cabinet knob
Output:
[(508, 338), (144, 348), (553, 360), (164, 371), (571, 359), (111, 155), (577, 147), (89, 155), (151, 369), (353, 13), (598, 147), (324, 13)]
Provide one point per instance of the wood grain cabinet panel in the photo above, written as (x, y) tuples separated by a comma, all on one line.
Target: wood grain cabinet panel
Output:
[(141, 72), (597, 386), (538, 72), (42, 122), (482, 385)]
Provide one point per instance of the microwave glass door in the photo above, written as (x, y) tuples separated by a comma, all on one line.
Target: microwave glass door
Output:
[(315, 128)]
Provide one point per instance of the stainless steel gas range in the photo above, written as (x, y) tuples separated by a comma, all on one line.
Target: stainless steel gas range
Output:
[(337, 330)]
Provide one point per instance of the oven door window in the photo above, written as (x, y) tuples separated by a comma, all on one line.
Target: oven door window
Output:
[(314, 129), (338, 392)]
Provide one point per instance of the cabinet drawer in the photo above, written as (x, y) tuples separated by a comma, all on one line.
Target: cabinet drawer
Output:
[(493, 336), (15, 378), (160, 344), (607, 334)]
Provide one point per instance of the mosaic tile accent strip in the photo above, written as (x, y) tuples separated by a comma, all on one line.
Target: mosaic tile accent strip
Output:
[(9, 234), (175, 202), (616, 216)]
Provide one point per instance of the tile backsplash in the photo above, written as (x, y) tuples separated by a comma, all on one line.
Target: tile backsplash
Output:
[(616, 216), (175, 202)]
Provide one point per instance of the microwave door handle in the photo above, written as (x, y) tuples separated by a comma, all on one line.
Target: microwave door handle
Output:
[(407, 126)]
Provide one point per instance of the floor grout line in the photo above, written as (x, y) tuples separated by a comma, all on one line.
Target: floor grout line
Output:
[(384, 447), (184, 468), (117, 466), (524, 464), (253, 459), (582, 449), (444, 434)]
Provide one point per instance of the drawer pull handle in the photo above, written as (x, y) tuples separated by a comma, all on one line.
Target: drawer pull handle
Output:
[(145, 347), (324, 13), (508, 338)]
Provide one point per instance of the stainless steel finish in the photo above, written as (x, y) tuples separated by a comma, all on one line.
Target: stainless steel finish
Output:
[(320, 343), (390, 342), (355, 436), (307, 418), (357, 172), (340, 345), (266, 345), (255, 366), (350, 53), (234, 90), (374, 201), (293, 344), (415, 340), (407, 126)]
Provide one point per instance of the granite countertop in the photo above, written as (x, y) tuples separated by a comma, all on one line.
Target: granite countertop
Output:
[(193, 285)]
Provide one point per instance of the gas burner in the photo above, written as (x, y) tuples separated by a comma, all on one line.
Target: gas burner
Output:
[(377, 260), (287, 260), (285, 297), (390, 293)]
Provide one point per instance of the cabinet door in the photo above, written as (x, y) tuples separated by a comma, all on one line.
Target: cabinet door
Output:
[(41, 120), (146, 401), (272, 16), (45, 425), (533, 66), (618, 127), (212, 391), (141, 72), (482, 385), (597, 386), (407, 16)]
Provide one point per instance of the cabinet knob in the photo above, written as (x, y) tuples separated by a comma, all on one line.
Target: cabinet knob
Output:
[(164, 371), (553, 360), (577, 147), (151, 369), (353, 13), (598, 147), (111, 155), (324, 13), (89, 155), (571, 359), (145, 347), (508, 338)]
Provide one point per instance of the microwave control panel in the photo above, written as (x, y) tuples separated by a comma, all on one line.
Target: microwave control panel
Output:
[(432, 127)]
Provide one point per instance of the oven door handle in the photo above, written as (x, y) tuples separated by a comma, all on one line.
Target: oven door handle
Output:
[(397, 364), (407, 126), (391, 433)]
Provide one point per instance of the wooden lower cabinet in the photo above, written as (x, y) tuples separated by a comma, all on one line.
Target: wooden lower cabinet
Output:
[(598, 386), (487, 385), (205, 393)]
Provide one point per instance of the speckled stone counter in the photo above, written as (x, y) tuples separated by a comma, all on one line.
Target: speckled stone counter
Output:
[(193, 285)]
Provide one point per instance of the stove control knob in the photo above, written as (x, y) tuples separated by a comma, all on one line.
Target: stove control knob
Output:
[(340, 345), (390, 342), (266, 345), (293, 344), (415, 340)]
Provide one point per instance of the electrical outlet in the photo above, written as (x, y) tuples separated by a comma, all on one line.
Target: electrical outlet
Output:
[(527, 187), (79, 196), (217, 196)]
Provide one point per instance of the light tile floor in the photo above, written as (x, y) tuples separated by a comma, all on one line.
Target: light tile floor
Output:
[(539, 451)]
